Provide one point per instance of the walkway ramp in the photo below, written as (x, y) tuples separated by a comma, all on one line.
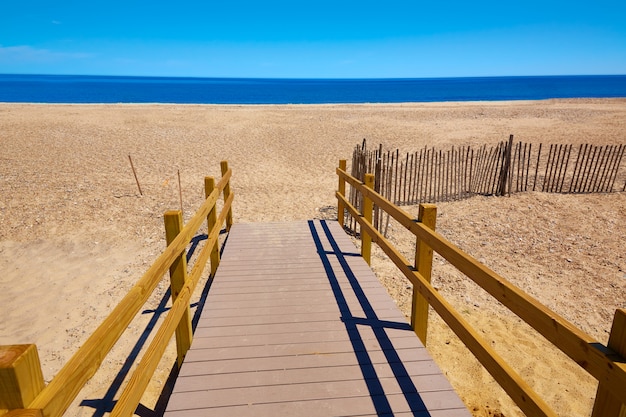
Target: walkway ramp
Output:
[(296, 324)]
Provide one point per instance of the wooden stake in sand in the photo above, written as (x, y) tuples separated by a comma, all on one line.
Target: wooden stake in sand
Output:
[(180, 193), (135, 174)]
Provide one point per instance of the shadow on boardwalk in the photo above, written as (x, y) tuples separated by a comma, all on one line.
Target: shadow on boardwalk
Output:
[(377, 394)]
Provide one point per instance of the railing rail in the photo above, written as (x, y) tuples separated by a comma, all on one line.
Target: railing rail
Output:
[(603, 362), (20, 371)]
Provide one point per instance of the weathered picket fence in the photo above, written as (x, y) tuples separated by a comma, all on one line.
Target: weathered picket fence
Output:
[(432, 175)]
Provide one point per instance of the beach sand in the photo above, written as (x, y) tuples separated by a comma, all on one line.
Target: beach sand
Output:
[(75, 233)]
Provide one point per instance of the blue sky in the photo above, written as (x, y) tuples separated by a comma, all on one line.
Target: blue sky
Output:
[(321, 39)]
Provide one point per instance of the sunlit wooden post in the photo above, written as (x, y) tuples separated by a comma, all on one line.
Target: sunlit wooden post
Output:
[(209, 186), (607, 405), (368, 208), (342, 191), (424, 265), (21, 379), (229, 216), (178, 277)]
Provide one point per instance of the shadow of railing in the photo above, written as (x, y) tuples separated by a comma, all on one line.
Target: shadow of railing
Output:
[(105, 404), (368, 370)]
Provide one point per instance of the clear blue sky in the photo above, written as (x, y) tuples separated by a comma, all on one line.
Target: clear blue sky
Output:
[(317, 39)]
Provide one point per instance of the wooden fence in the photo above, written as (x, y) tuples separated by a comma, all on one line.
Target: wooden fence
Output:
[(605, 363), (430, 175), (22, 389)]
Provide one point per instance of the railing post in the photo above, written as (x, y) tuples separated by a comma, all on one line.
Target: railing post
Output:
[(424, 265), (21, 379), (229, 215), (368, 208), (178, 276), (606, 405), (209, 186), (342, 191)]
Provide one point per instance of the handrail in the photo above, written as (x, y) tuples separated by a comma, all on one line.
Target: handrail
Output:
[(602, 362), (131, 395), (55, 398)]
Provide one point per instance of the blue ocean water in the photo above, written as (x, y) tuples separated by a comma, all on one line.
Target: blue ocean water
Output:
[(116, 89)]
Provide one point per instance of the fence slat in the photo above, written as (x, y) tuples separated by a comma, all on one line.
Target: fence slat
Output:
[(604, 185), (589, 169), (520, 171), (585, 171), (569, 153), (537, 166), (605, 170), (420, 176), (470, 170), (556, 159), (617, 165), (491, 184), (546, 176), (576, 173), (527, 165)]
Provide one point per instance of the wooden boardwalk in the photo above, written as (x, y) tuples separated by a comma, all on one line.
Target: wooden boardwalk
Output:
[(296, 324)]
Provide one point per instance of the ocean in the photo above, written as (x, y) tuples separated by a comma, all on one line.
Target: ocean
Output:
[(118, 89)]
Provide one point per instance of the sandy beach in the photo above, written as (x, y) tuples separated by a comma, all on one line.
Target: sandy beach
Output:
[(75, 233)]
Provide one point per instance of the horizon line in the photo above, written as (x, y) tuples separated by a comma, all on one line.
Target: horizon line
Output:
[(313, 78)]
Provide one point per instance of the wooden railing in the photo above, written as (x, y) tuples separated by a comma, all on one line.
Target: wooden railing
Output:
[(22, 390), (605, 363)]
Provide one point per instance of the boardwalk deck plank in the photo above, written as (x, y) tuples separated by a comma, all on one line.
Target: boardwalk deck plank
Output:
[(296, 323)]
